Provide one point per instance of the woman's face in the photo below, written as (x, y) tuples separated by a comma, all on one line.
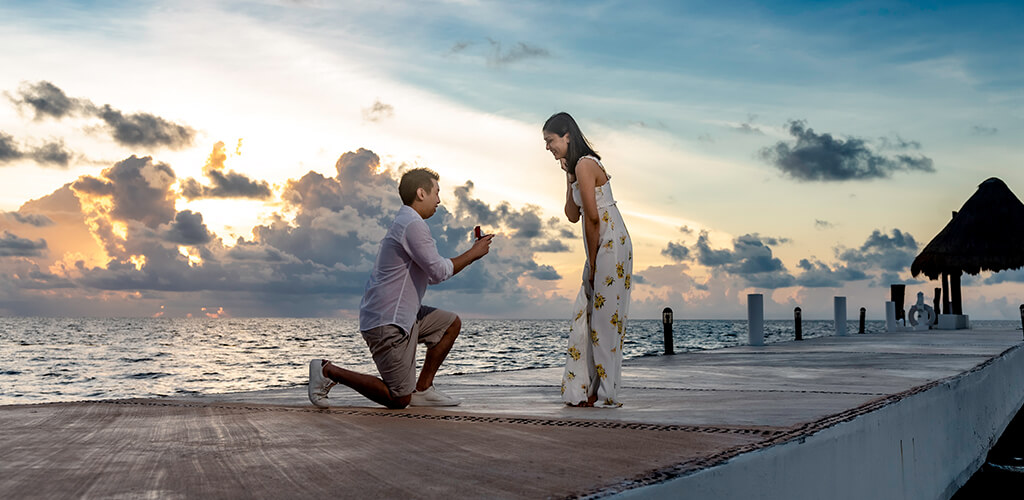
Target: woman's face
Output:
[(557, 144)]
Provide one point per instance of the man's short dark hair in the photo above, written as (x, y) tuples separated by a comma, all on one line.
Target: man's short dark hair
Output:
[(413, 180)]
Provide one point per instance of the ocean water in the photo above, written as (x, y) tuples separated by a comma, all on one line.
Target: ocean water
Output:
[(70, 359)]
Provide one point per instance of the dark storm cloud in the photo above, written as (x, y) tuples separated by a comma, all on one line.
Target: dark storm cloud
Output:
[(140, 190), (48, 101), (9, 149), (378, 111), (821, 157), (893, 252), (817, 274), (133, 130), (144, 129), (751, 259), (14, 246), (51, 153), (37, 220), (229, 184), (187, 229), (676, 251)]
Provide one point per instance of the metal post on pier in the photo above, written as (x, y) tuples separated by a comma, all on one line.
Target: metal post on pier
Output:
[(839, 304), (666, 321), (863, 312), (1022, 316), (798, 326), (755, 318)]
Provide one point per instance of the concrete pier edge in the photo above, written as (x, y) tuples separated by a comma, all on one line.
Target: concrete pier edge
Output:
[(971, 409)]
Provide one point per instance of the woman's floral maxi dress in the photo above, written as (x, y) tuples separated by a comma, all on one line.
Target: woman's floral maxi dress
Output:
[(594, 357)]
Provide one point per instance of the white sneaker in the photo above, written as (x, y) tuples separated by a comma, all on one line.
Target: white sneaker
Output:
[(432, 397), (319, 385)]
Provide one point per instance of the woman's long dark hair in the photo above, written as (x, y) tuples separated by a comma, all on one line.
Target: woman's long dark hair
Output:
[(561, 124)]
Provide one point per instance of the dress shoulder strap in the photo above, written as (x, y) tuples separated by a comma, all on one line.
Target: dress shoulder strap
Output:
[(598, 161)]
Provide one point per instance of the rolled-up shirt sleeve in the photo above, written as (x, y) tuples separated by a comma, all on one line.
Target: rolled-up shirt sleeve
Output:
[(423, 250)]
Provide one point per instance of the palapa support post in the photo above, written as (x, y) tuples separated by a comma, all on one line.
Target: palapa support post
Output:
[(897, 292), (863, 312), (798, 326), (954, 285), (1022, 316), (666, 321), (936, 303), (945, 293)]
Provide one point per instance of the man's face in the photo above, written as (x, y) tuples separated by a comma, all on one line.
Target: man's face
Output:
[(431, 200)]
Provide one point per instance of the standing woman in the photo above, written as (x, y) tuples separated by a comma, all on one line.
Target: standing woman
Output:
[(594, 357)]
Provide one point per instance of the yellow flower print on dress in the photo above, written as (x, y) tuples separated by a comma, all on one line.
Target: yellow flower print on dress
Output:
[(563, 387), (574, 353), (622, 240), (570, 376), (615, 318), (628, 281), (598, 301), (608, 281), (600, 371), (630, 255), (593, 336), (605, 216), (609, 244), (579, 314), (619, 269)]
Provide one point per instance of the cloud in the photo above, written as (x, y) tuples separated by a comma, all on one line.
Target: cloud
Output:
[(144, 129), (747, 127), (8, 149), (751, 259), (498, 56), (983, 131), (893, 252), (48, 101), (133, 130), (378, 111), (552, 246), (14, 246), (187, 229), (52, 153), (37, 220), (1008, 276), (228, 184), (519, 52), (817, 274), (676, 251), (823, 224), (815, 157), (545, 272)]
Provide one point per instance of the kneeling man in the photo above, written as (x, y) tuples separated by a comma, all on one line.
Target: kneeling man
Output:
[(391, 316)]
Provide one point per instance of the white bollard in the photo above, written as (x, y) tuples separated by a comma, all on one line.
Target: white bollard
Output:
[(755, 318), (890, 316), (840, 306)]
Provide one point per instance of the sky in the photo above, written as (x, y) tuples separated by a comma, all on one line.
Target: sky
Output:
[(240, 159)]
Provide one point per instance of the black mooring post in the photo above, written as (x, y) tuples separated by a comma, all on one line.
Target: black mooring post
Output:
[(798, 324), (863, 312), (666, 321), (1022, 316)]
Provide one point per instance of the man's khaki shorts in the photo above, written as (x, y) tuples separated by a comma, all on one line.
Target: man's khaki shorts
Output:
[(394, 351)]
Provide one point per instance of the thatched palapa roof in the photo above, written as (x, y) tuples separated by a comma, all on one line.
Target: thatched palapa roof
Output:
[(987, 234)]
